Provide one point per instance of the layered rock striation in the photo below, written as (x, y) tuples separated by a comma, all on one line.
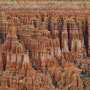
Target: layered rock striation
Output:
[(44, 49)]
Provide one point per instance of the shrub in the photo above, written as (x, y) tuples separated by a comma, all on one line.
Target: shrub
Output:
[(84, 72), (24, 87), (79, 66), (59, 61), (55, 83)]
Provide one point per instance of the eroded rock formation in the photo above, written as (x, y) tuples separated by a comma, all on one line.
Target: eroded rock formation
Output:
[(44, 49)]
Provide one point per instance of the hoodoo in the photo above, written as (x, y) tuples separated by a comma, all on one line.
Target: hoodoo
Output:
[(44, 45)]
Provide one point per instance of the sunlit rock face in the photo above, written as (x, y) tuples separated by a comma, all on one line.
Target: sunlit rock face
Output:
[(44, 49)]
